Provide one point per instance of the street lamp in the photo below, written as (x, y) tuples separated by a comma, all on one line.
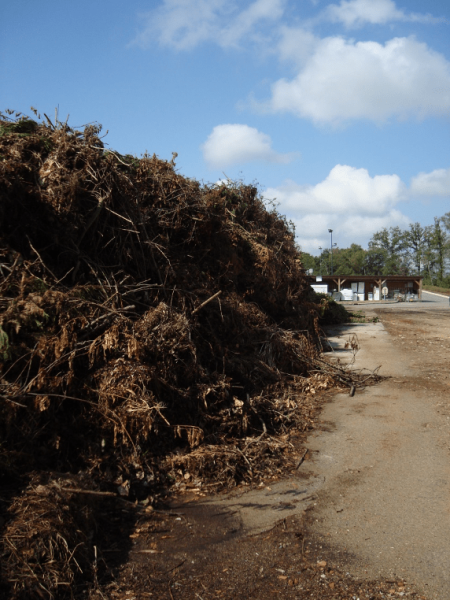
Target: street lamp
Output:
[(320, 248), (330, 231)]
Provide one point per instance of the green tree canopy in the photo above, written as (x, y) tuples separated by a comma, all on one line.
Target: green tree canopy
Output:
[(421, 250)]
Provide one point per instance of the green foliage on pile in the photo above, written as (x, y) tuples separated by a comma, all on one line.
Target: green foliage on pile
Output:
[(331, 312)]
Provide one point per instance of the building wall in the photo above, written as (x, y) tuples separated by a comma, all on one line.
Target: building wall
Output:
[(369, 284)]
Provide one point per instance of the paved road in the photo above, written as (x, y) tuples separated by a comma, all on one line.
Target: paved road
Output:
[(429, 302), (385, 460), (428, 297)]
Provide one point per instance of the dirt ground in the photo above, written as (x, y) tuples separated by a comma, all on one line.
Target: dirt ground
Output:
[(365, 516), (385, 457)]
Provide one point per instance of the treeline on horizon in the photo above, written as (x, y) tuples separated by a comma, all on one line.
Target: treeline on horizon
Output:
[(417, 250)]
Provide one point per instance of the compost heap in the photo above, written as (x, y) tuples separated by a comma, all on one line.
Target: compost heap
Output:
[(155, 333)]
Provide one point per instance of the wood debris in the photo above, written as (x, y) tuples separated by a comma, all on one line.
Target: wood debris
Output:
[(155, 334)]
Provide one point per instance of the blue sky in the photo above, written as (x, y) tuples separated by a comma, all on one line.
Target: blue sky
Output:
[(339, 110)]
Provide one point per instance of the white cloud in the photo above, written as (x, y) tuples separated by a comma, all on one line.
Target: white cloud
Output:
[(436, 183), (296, 44), (261, 10), (355, 13), (348, 201), (184, 24), (345, 190), (353, 204), (344, 80), (181, 24), (312, 230), (233, 144)]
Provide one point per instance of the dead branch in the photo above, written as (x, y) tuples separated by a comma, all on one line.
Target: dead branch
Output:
[(300, 462), (216, 295), (89, 492)]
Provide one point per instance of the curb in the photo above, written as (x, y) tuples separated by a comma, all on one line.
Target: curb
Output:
[(435, 294)]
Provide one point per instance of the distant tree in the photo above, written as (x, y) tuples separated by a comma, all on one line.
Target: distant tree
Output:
[(415, 243), (310, 262), (429, 257), (375, 261), (325, 262), (321, 263), (440, 239), (446, 221), (349, 261), (390, 245), (437, 250), (419, 250)]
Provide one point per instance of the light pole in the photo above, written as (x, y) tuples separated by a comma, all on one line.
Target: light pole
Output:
[(330, 231), (320, 248)]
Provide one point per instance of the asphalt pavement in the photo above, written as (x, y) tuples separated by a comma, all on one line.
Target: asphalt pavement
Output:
[(430, 301), (384, 456)]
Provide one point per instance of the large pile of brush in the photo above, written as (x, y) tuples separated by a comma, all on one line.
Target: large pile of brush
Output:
[(154, 333)]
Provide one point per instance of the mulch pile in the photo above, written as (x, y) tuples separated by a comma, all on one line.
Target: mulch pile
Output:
[(155, 334)]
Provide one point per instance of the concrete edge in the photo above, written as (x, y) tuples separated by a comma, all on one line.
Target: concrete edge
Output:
[(435, 294)]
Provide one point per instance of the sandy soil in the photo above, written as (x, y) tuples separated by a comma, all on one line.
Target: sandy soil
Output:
[(366, 515)]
